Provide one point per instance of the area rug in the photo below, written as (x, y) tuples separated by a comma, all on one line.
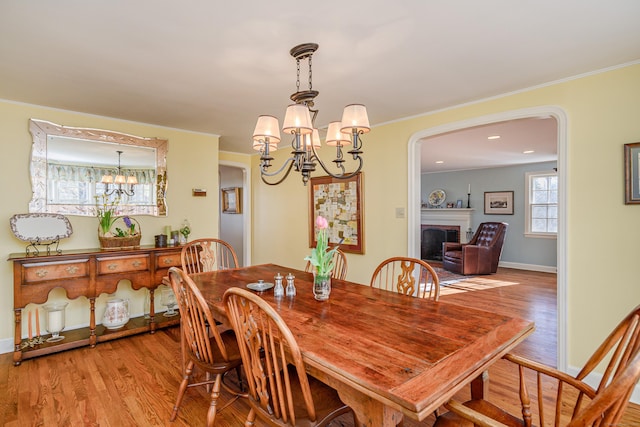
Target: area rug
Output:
[(448, 278)]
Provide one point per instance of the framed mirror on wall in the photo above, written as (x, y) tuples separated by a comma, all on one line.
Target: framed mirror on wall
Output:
[(72, 166)]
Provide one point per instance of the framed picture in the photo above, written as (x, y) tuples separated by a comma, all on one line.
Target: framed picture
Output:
[(231, 201), (498, 202), (340, 202), (631, 173), (459, 204)]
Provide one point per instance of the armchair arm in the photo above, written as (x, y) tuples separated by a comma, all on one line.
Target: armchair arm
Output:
[(475, 417), (551, 372), (452, 246)]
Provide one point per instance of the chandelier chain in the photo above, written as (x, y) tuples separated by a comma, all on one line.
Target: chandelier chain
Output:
[(310, 75), (297, 74)]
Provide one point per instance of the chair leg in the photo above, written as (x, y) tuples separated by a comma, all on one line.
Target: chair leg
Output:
[(215, 394), (183, 388), (251, 417)]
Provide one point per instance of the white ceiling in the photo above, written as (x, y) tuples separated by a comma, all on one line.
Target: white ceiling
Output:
[(214, 66)]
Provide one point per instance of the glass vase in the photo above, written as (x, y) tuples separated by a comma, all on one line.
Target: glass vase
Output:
[(321, 287)]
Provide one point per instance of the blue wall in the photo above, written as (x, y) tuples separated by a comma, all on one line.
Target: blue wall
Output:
[(518, 249)]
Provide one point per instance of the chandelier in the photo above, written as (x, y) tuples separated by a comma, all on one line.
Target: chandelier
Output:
[(119, 182), (299, 122)]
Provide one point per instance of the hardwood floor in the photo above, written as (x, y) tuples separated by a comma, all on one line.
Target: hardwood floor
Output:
[(133, 381)]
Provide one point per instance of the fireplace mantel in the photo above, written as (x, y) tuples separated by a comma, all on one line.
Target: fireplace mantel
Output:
[(448, 216)]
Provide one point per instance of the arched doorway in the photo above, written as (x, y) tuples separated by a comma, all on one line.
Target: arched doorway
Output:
[(414, 197)]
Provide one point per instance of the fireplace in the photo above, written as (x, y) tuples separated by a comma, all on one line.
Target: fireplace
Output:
[(432, 237)]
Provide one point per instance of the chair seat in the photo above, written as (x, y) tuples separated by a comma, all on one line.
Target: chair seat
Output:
[(233, 353), (449, 419), (455, 255), (327, 402)]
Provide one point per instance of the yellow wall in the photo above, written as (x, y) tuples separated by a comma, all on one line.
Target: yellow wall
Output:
[(191, 162), (603, 233)]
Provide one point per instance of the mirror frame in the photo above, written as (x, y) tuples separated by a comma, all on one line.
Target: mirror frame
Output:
[(41, 129)]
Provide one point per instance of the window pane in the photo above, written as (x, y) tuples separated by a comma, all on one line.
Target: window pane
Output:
[(553, 197), (553, 183), (538, 212), (540, 197), (540, 184), (539, 225), (553, 226), (553, 211)]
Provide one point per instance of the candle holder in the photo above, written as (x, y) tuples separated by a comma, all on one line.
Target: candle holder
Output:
[(468, 200), (169, 299), (55, 320)]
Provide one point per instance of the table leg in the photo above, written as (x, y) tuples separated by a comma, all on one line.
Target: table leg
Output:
[(92, 322), (152, 311), (480, 386), (17, 352), (369, 412)]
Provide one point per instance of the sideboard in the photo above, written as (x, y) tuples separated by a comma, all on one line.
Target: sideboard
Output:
[(88, 273)]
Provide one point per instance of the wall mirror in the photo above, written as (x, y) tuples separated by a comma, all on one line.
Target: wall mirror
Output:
[(68, 165)]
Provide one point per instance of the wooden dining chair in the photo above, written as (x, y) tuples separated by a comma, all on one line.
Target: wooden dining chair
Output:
[(280, 391), (409, 276), (207, 254), (216, 353), (339, 266), (560, 399)]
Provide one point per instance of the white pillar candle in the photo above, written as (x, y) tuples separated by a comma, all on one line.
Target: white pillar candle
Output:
[(469, 191), (55, 321)]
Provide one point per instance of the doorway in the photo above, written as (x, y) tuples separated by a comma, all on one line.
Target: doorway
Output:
[(414, 197), (236, 228)]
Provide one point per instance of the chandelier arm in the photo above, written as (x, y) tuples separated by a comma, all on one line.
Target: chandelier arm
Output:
[(263, 173), (342, 175)]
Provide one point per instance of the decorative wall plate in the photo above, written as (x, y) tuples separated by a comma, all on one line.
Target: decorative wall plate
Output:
[(40, 227), (437, 197)]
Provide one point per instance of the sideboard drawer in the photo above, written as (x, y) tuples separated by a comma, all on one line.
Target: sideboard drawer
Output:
[(166, 260), (112, 265), (38, 272)]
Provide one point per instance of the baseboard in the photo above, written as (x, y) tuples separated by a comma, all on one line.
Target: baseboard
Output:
[(594, 379), (6, 345), (530, 267)]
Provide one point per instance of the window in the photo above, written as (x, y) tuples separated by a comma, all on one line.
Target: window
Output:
[(79, 185), (542, 204)]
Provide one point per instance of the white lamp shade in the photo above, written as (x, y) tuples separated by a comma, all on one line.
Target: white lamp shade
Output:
[(335, 135), (314, 137), (132, 180), (267, 127), (120, 179), (355, 117), (297, 118), (107, 179)]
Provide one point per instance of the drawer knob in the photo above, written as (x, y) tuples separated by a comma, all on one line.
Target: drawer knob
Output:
[(72, 269), (168, 261), (112, 266), (136, 263), (42, 272)]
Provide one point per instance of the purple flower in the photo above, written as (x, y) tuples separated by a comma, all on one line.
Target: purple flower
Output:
[(127, 221)]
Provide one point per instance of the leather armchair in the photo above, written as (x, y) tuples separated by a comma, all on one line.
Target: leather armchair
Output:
[(481, 255)]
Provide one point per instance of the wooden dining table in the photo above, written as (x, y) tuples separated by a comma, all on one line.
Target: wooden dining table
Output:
[(388, 355)]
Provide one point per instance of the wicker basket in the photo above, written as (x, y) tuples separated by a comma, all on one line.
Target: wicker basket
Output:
[(113, 242)]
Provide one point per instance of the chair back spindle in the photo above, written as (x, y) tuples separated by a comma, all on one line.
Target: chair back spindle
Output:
[(408, 276), (203, 255)]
